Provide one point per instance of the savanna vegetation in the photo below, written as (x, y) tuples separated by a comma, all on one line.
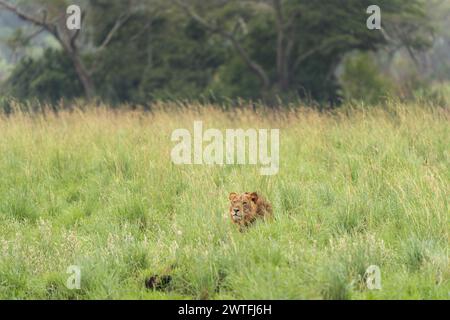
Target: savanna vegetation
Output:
[(96, 188)]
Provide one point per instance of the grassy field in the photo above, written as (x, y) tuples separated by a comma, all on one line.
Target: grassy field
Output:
[(97, 189)]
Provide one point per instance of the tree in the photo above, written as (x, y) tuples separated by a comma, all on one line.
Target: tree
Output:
[(52, 20), (306, 39)]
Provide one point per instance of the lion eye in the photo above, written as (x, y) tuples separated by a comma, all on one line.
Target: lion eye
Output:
[(245, 203)]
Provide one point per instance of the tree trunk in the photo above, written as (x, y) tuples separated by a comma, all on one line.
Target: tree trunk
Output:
[(281, 49), (281, 62), (82, 73), (83, 76)]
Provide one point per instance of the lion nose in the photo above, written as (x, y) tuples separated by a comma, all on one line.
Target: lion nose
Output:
[(236, 210)]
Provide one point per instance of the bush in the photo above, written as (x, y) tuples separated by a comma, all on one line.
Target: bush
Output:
[(48, 79), (362, 81)]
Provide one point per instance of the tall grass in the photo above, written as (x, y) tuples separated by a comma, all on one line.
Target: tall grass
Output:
[(96, 188)]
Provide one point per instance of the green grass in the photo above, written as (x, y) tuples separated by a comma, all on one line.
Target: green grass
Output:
[(97, 189)]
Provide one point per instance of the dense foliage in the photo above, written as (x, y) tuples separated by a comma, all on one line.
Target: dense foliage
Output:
[(165, 50)]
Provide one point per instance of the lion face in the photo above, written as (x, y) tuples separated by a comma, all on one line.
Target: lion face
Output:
[(242, 206)]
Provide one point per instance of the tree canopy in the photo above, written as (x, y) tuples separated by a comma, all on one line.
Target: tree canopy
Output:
[(140, 51)]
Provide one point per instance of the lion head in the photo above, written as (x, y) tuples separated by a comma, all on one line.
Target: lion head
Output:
[(243, 206)]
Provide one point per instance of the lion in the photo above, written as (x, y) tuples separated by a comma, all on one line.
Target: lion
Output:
[(247, 207)]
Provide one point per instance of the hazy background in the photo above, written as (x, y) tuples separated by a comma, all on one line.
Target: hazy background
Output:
[(221, 51)]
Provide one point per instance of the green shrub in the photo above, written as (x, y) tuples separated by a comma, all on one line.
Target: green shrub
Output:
[(361, 80)]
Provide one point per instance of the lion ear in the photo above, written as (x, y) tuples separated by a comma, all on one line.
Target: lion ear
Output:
[(254, 196), (232, 196)]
